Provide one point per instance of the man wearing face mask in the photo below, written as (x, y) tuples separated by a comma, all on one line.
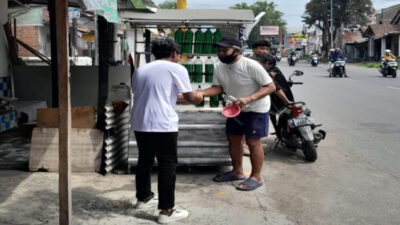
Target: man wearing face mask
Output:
[(250, 83)]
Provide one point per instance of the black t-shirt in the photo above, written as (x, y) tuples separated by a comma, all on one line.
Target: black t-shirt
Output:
[(281, 84)]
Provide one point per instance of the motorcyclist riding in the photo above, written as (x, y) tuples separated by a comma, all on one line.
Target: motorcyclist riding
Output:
[(387, 56), (314, 58), (336, 56)]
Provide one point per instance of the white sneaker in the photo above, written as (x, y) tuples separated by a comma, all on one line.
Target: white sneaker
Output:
[(149, 204), (177, 214)]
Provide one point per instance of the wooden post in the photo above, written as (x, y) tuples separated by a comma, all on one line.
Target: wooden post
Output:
[(104, 31), (64, 188)]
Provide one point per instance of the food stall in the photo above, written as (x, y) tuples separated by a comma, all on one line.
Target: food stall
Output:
[(202, 138)]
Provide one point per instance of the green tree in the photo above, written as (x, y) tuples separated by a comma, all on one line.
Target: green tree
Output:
[(272, 17), (168, 5), (345, 13)]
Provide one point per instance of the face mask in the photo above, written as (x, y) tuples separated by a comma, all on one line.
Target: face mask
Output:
[(228, 59)]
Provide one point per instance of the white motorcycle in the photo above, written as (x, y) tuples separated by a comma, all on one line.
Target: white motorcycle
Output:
[(389, 68), (314, 61), (338, 68)]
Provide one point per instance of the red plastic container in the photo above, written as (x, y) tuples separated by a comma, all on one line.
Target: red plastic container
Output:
[(230, 111)]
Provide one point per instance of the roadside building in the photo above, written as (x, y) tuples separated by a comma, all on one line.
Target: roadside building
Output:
[(385, 34)]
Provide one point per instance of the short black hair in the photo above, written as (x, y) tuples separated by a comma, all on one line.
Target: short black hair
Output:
[(267, 58), (261, 43), (163, 47)]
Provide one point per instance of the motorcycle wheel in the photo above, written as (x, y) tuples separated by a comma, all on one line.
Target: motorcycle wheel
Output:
[(394, 73), (310, 152)]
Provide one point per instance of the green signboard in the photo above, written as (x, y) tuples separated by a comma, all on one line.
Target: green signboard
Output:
[(108, 9), (138, 4), (144, 4)]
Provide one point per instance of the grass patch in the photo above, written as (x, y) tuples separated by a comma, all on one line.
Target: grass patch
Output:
[(370, 64)]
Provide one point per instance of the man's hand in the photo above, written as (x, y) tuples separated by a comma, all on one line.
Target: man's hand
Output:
[(242, 102), (198, 97), (194, 97)]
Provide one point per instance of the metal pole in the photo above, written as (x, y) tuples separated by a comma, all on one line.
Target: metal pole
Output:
[(331, 30), (96, 42)]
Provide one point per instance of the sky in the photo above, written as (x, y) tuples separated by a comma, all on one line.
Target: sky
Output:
[(292, 9)]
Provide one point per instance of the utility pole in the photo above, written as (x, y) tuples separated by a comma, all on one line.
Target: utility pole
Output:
[(181, 4), (331, 30)]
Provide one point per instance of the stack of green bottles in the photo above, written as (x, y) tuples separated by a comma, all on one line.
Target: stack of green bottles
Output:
[(190, 68), (207, 42), (214, 101), (198, 70), (188, 42), (209, 64), (198, 41), (179, 38), (216, 39)]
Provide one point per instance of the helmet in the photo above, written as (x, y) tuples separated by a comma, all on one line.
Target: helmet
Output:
[(387, 51), (337, 49), (332, 50)]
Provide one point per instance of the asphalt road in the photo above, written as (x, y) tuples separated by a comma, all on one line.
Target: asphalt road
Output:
[(356, 179)]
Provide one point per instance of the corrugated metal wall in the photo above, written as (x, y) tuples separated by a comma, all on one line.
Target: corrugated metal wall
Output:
[(117, 128)]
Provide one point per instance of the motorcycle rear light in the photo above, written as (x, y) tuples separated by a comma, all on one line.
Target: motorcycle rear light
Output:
[(297, 110)]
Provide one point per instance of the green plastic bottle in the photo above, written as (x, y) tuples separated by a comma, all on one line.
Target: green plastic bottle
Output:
[(214, 101), (188, 41), (189, 67), (198, 41), (201, 104), (179, 38), (216, 39), (209, 66), (207, 42), (198, 70)]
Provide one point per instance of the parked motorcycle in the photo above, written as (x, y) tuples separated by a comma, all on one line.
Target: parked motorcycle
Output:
[(292, 60), (389, 68), (314, 61), (278, 58), (295, 127), (338, 68)]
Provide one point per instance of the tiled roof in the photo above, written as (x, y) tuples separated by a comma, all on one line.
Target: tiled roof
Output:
[(381, 30), (353, 37), (388, 13)]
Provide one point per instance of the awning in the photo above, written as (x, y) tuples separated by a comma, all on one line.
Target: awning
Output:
[(189, 16)]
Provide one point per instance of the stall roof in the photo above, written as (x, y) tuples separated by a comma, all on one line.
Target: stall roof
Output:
[(189, 16)]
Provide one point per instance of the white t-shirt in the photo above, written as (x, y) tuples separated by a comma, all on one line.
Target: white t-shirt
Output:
[(155, 87), (243, 78)]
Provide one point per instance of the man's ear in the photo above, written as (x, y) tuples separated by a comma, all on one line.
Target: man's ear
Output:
[(173, 54)]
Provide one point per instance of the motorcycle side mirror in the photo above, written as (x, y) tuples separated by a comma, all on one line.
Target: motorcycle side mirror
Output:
[(298, 73)]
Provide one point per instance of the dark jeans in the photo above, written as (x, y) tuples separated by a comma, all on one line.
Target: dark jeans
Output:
[(164, 147)]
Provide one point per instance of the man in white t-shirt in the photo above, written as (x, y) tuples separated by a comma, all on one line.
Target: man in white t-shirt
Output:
[(156, 87), (246, 80)]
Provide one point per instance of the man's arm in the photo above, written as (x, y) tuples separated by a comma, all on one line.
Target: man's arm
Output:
[(282, 96), (212, 91), (193, 97), (262, 92)]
